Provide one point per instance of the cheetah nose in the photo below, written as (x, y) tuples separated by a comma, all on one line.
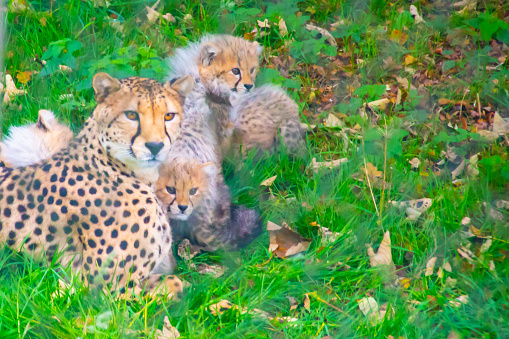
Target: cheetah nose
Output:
[(248, 87), (182, 207), (154, 147)]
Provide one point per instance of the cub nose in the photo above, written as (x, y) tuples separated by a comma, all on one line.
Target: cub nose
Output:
[(154, 147), (182, 207), (248, 87)]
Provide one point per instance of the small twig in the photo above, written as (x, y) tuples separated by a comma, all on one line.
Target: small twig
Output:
[(367, 178), (271, 255), (326, 303)]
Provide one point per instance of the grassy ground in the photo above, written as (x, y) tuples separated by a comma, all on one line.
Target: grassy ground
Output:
[(456, 63)]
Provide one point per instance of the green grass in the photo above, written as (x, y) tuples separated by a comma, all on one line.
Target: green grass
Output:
[(78, 34)]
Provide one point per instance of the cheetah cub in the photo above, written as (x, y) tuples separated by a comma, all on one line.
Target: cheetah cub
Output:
[(191, 187), (30, 144), (225, 69), (260, 116)]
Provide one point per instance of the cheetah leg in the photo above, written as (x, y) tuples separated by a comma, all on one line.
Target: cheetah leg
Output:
[(159, 284), (291, 135)]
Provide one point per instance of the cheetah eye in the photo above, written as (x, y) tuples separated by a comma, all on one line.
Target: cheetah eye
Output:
[(193, 191), (236, 71), (252, 70), (131, 115), (171, 190), (169, 116)]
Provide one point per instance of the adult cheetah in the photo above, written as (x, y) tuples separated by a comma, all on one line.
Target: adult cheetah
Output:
[(87, 201)]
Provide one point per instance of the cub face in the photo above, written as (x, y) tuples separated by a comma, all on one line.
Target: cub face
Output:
[(229, 64), (183, 185), (139, 118)]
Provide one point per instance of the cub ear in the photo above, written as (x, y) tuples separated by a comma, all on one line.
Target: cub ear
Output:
[(103, 85), (210, 168), (46, 120), (258, 48), (208, 53), (182, 85)]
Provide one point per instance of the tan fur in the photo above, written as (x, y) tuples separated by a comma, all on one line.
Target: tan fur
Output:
[(182, 176), (87, 202), (31, 143), (224, 54), (150, 100)]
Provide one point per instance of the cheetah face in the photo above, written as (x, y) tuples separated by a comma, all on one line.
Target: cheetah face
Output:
[(139, 118), (184, 185), (228, 69)]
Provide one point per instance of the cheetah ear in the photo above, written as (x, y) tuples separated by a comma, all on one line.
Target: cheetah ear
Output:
[(182, 85), (208, 53), (258, 48), (103, 85), (46, 120), (210, 168)]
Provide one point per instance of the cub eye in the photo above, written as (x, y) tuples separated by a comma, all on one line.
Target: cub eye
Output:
[(193, 191), (252, 70), (131, 115), (171, 190), (236, 71), (169, 116)]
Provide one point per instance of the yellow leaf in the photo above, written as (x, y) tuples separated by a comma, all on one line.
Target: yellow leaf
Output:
[(372, 172), (24, 77), (409, 60)]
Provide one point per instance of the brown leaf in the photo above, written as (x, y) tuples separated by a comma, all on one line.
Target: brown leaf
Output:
[(307, 302), (284, 242)]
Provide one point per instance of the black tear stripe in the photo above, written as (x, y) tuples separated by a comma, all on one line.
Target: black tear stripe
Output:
[(138, 132), (240, 75), (171, 203)]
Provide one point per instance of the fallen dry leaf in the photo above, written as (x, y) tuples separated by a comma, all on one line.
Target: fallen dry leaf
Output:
[(293, 303), (409, 59), (24, 77), (463, 299), (419, 205), (168, 17), (283, 30), (327, 235), (333, 121), (214, 270), (326, 164), (10, 89), (429, 266), (383, 257), (307, 302), (413, 10), (324, 32), (380, 104), (220, 307), (268, 182), (152, 14), (284, 242), (369, 307), (415, 162), (168, 332), (372, 172), (263, 24)]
